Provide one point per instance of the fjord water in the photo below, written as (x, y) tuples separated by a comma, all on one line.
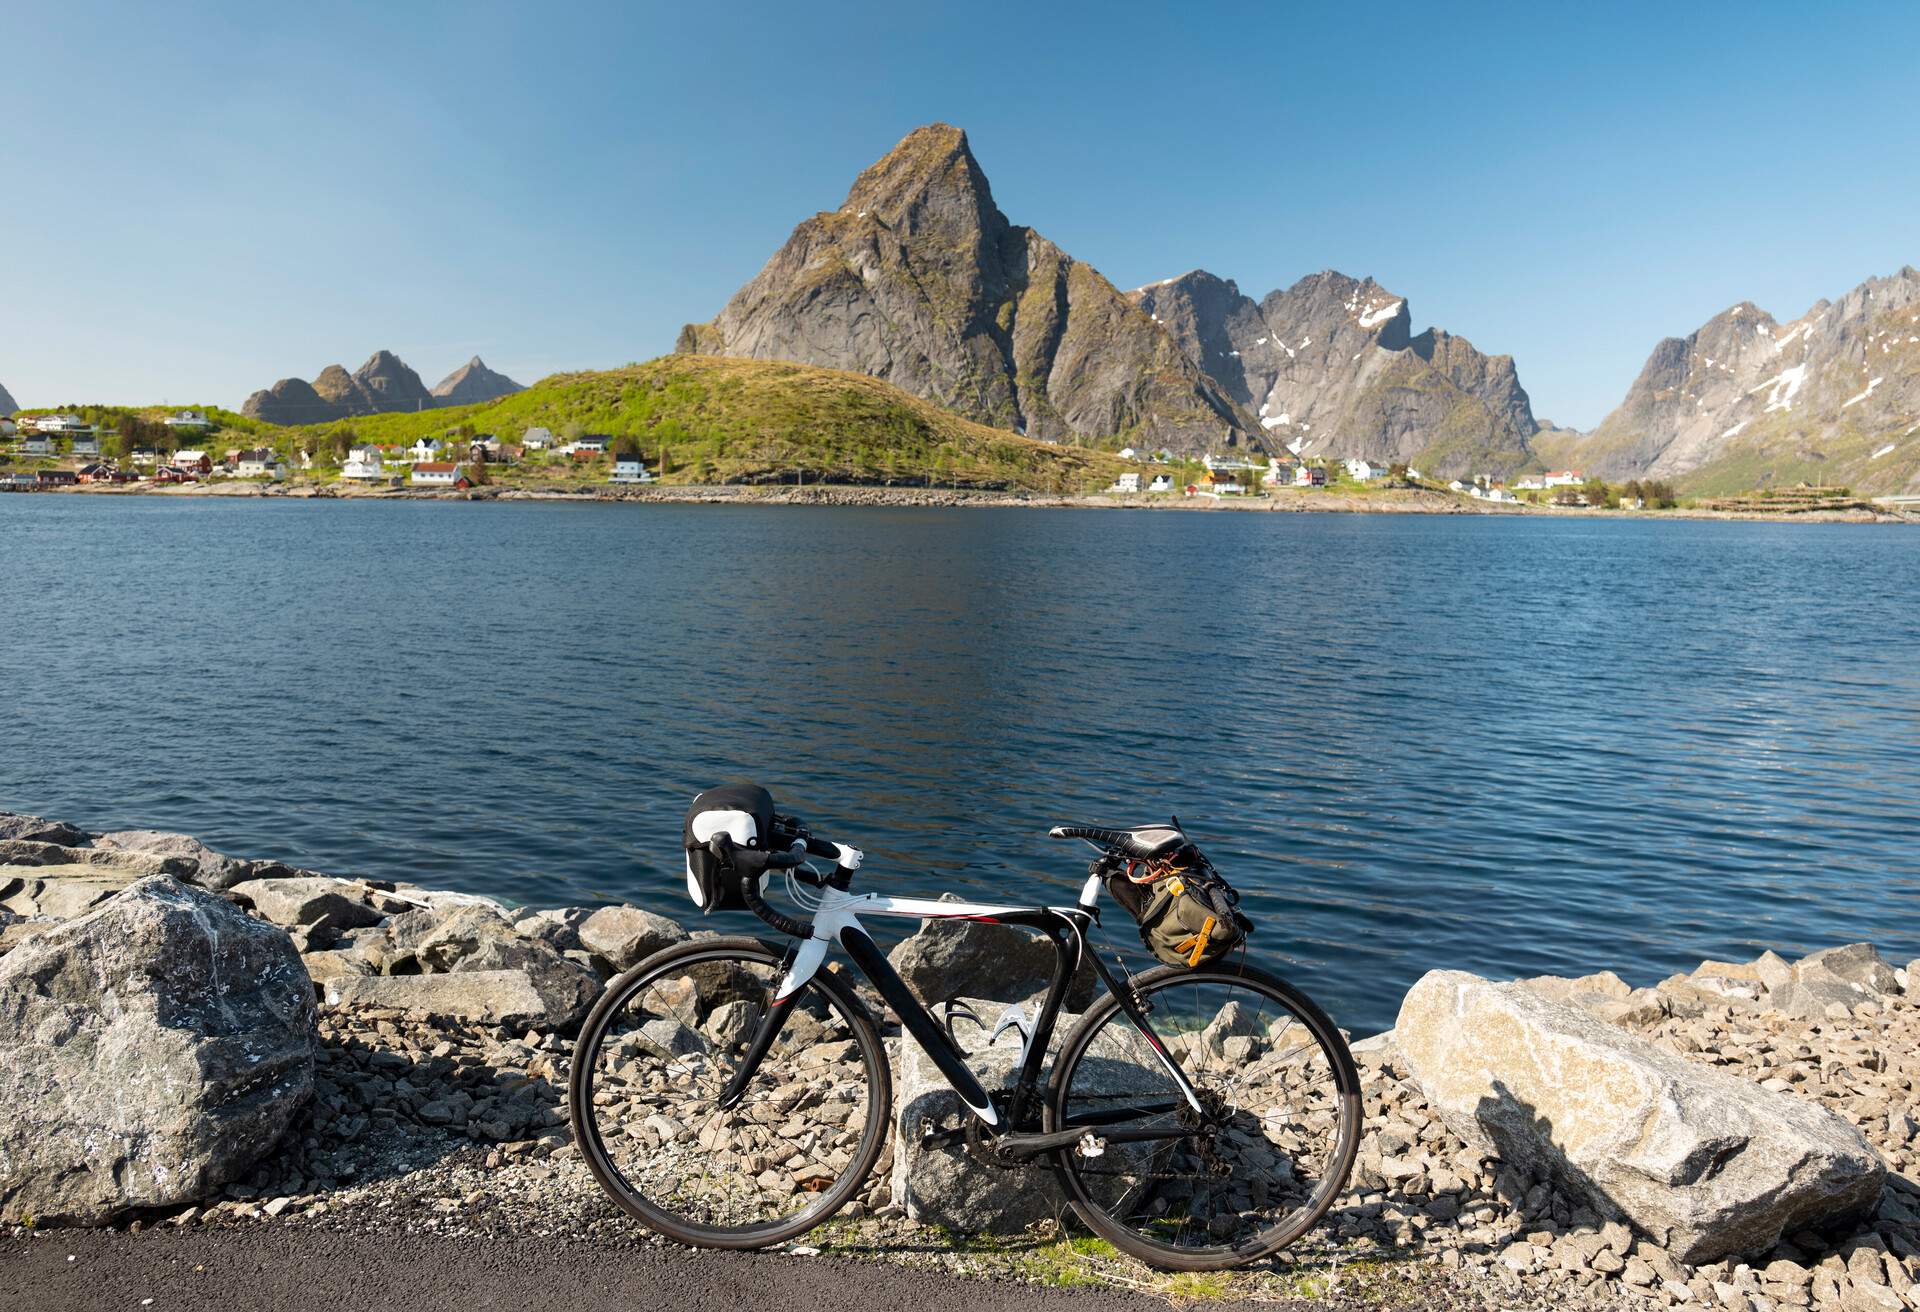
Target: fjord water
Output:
[(1509, 746)]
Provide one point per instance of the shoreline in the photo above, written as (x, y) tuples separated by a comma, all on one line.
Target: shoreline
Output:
[(381, 1154), (1420, 501)]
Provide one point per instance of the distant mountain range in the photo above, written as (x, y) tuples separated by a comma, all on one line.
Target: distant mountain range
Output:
[(1746, 401), (919, 279), (383, 385)]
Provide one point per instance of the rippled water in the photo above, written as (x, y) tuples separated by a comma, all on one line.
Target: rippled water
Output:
[(1508, 746)]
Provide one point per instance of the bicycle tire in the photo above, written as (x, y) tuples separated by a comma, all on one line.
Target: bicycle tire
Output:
[(1069, 1167), (607, 1172)]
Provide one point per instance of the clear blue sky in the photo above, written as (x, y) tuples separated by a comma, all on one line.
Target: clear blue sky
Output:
[(205, 198)]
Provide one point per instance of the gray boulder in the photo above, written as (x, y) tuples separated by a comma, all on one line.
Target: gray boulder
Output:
[(15, 825), (947, 959), (307, 900), (946, 1186), (201, 864), (65, 882), (481, 939), (626, 936), (1858, 965), (488, 997), (150, 1052), (1705, 1162)]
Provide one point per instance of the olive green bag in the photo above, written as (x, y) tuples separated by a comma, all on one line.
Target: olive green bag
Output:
[(1189, 916)]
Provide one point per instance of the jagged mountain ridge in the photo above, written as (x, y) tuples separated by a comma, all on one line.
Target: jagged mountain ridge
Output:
[(7, 405), (385, 384), (1746, 401), (920, 280), (1332, 367)]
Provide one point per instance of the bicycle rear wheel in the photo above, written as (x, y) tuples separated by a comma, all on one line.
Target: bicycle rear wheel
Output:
[(1256, 1167), (648, 1069)]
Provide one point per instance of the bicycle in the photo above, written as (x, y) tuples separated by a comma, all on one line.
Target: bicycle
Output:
[(728, 1092)]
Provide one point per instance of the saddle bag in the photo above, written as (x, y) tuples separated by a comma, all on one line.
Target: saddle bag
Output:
[(1189, 915)]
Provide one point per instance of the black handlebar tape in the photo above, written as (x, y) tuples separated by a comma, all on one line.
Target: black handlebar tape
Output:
[(821, 847), (750, 893)]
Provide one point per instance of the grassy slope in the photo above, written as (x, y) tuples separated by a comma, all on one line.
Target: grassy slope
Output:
[(759, 420)]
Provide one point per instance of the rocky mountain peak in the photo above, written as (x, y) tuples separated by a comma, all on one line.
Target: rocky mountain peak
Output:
[(7, 405), (921, 281), (473, 382), (929, 183)]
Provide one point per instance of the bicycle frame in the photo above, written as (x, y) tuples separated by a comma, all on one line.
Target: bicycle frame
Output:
[(837, 920)]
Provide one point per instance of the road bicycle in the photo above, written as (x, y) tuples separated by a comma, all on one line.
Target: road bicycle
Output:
[(730, 1092)]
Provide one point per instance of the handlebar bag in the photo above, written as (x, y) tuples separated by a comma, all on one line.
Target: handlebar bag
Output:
[(744, 813)]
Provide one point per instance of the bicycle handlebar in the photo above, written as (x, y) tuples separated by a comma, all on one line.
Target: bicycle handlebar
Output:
[(751, 863)]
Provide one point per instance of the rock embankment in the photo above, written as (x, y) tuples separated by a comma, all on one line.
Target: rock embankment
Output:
[(1741, 1137)]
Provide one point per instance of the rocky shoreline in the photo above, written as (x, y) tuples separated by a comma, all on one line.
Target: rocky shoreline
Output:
[(433, 1102), (1287, 501)]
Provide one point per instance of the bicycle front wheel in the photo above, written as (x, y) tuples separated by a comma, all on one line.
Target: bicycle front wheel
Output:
[(649, 1066), (1261, 1160)]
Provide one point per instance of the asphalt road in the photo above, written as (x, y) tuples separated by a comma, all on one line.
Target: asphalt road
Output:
[(269, 1268)]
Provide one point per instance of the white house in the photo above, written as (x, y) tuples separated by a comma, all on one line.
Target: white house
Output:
[(630, 469), (260, 464), (592, 444), (1531, 483), (1563, 478), (1129, 482), (438, 475), (1227, 464), (86, 444), (143, 455), (1415, 475), (1161, 483), (38, 444), (363, 462), (188, 419), (1494, 493), (537, 439), (1364, 469), (1126, 453), (427, 449), (62, 424)]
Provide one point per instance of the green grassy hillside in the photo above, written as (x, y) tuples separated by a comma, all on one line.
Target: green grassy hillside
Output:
[(717, 419)]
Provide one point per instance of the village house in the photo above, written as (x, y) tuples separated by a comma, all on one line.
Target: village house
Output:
[(427, 449), (1563, 478), (1364, 470), (22, 482), (1126, 453), (171, 474), (57, 478), (363, 462), (188, 419), (1309, 476), (260, 464), (1531, 483), (1222, 483), (37, 444), (630, 469), (1161, 483), (62, 424), (143, 455), (588, 447), (537, 439), (1494, 492), (194, 463), (430, 474), (95, 473), (86, 444), (1126, 483)]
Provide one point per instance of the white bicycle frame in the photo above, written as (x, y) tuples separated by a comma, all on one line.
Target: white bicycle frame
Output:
[(836, 919)]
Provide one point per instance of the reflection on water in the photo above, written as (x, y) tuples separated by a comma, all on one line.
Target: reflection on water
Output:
[(1411, 741)]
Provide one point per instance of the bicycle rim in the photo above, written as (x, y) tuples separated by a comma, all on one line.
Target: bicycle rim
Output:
[(1264, 1162), (652, 1059)]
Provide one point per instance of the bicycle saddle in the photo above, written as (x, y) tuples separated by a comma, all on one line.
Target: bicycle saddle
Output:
[(1141, 844)]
